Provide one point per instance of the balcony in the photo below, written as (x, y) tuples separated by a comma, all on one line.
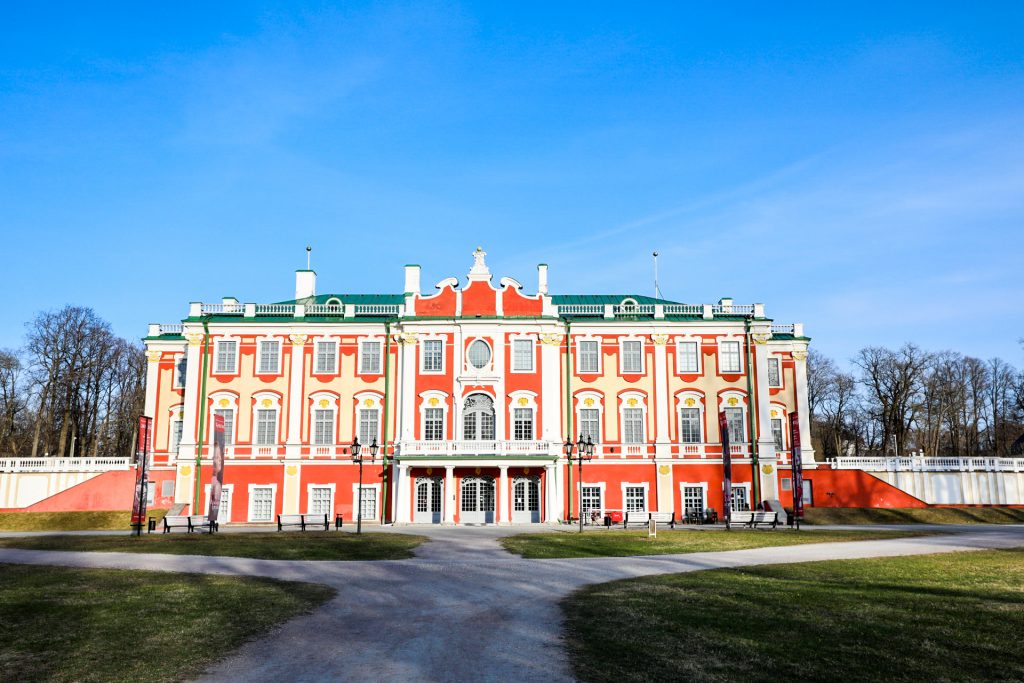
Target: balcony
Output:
[(496, 448)]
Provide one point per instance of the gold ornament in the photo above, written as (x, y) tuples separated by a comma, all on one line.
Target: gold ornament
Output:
[(526, 470), (369, 403), (775, 413), (551, 339), (632, 402), (297, 339), (324, 403), (224, 403), (767, 469), (523, 401), (664, 469), (690, 403), (659, 339), (434, 402), (266, 403), (733, 401), (430, 470), (291, 470), (194, 338), (477, 470), (799, 355), (761, 338), (588, 402), (185, 471), (153, 356)]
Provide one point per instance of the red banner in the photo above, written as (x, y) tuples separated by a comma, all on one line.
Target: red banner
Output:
[(723, 429), (217, 481), (798, 466), (142, 461)]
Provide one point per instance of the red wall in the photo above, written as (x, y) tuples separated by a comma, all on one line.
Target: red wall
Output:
[(106, 491), (857, 489)]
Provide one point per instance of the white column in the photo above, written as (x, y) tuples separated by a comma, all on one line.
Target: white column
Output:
[(549, 494), (193, 361), (449, 494), (407, 391), (806, 448), (504, 513), (558, 485), (551, 388), (661, 408), (152, 374), (765, 440), (295, 401), (402, 508), (500, 407)]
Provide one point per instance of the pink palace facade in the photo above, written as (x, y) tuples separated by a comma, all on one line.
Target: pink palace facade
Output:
[(472, 389)]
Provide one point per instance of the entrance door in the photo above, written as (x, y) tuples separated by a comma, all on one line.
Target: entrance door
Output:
[(428, 500), (477, 500), (526, 500)]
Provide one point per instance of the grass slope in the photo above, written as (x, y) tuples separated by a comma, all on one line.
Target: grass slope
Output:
[(928, 618), (268, 546), (60, 624), (614, 543), (105, 520), (914, 516)]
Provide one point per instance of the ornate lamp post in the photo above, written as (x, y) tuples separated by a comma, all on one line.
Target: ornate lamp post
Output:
[(584, 451), (357, 456)]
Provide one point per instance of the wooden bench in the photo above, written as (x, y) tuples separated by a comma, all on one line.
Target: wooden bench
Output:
[(189, 523), (176, 522), (644, 518), (752, 518), (303, 521)]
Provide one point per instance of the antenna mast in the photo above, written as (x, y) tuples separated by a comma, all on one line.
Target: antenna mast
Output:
[(657, 290), (309, 250)]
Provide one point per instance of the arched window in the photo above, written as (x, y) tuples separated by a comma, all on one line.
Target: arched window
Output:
[(479, 354), (478, 418)]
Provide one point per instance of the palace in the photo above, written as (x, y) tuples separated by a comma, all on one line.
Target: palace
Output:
[(471, 391)]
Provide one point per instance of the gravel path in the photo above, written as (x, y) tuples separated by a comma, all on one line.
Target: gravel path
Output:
[(463, 609)]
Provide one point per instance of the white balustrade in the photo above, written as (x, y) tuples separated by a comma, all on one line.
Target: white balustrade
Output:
[(929, 464), (376, 309), (783, 329), (64, 464), (222, 309), (275, 309)]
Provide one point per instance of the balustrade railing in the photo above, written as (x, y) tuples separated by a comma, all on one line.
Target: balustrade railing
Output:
[(684, 309), (928, 464), (223, 309), (581, 309), (64, 464), (275, 309), (783, 329), (376, 309), (325, 309)]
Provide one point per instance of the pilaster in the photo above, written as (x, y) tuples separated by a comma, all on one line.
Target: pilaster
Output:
[(806, 447), (295, 395), (190, 420), (662, 447), (449, 494)]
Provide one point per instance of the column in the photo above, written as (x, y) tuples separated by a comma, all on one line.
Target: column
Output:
[(291, 494), (190, 423), (662, 447), (551, 388), (407, 389), (504, 515), (806, 447), (549, 494), (765, 441), (295, 402), (152, 374), (403, 511), (449, 494)]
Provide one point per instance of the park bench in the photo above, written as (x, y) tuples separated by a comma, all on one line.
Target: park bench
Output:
[(644, 518), (200, 523), (175, 522), (752, 518), (189, 523), (303, 521)]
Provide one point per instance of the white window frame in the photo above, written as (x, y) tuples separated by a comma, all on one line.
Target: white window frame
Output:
[(309, 498), (721, 356), (533, 354), (313, 424), (679, 356), (258, 369), (531, 403), (700, 424), (314, 405), (230, 488), (273, 501), (470, 368), (602, 486), (598, 406), (179, 378), (217, 354), (642, 407), (356, 502), (683, 485), (316, 357), (745, 485), (257, 406), (741, 404), (379, 370), (423, 356), (442, 404), (579, 354), (781, 447), (171, 446), (622, 356), (647, 494), (768, 371)]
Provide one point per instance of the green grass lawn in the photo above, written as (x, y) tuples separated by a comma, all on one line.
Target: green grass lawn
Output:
[(613, 543), (323, 545), (952, 617), (914, 515), (105, 520), (61, 624)]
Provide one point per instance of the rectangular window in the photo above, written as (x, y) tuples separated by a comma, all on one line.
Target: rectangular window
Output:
[(522, 421), (689, 425), (688, 358), (369, 426), (320, 500), (227, 355), (774, 373), (261, 504), (591, 500), (522, 355), (326, 357), (368, 509), (787, 484), (590, 424), (777, 434), (693, 500), (229, 424), (589, 358), (739, 499), (433, 355), (632, 425), (632, 357), (269, 357), (734, 417), (370, 363), (323, 426), (175, 439), (266, 426), (180, 368), (730, 356), (433, 424), (635, 499)]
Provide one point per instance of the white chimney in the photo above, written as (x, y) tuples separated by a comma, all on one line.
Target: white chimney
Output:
[(412, 279), (305, 284), (542, 278)]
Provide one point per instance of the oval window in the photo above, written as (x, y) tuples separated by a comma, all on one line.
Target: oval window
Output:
[(479, 354)]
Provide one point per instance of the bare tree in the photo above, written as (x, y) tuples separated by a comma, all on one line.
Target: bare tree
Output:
[(893, 381)]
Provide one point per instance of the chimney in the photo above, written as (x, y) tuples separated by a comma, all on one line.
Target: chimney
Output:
[(542, 278), (412, 279), (305, 284)]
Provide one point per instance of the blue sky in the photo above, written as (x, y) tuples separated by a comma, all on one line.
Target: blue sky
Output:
[(859, 170)]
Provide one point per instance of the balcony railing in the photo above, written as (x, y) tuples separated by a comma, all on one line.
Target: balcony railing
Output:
[(500, 448), (63, 464), (929, 464)]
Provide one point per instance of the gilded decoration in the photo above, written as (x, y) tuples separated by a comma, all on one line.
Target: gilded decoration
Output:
[(659, 339), (194, 338), (224, 403), (185, 471), (588, 402), (292, 470), (477, 470), (632, 403), (324, 403), (523, 401), (526, 470), (153, 356), (369, 403), (690, 403), (551, 339), (767, 469), (799, 355), (761, 337), (297, 339), (430, 470), (266, 403), (733, 401), (664, 469), (434, 402), (406, 338)]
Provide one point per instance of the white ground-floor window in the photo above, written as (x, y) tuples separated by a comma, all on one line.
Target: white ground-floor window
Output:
[(740, 497), (321, 499), (694, 499), (369, 505), (261, 503), (635, 498)]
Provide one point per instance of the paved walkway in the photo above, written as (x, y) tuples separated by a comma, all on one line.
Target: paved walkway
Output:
[(463, 610)]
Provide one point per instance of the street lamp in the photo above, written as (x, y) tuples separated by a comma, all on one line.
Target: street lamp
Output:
[(584, 451), (357, 456)]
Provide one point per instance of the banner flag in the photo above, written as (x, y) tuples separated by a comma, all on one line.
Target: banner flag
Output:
[(723, 429), (217, 480), (142, 460), (798, 467)]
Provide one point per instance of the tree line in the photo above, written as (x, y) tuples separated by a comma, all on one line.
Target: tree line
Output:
[(907, 400), (74, 389)]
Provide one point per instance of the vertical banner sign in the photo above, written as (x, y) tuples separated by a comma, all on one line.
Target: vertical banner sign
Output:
[(723, 429), (798, 468), (142, 451), (217, 480)]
